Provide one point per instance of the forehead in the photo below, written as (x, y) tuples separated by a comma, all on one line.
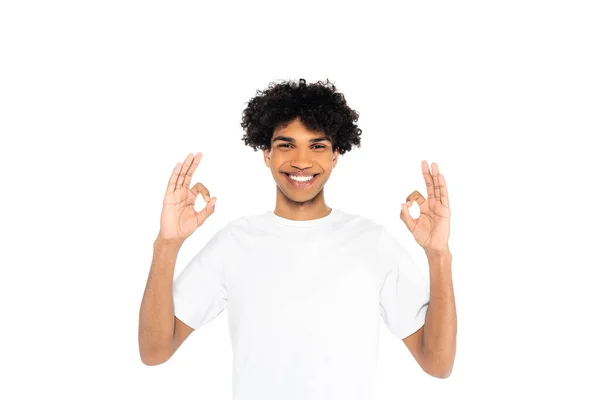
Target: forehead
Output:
[(295, 130)]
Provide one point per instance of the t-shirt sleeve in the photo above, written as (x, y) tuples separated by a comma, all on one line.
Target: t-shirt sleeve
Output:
[(199, 291), (404, 295)]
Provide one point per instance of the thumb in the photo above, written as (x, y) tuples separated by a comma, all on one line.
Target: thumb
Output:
[(406, 217)]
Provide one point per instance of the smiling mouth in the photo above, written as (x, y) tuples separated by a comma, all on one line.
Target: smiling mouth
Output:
[(313, 175), (300, 183)]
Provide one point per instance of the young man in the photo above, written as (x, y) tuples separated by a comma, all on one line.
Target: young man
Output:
[(305, 284)]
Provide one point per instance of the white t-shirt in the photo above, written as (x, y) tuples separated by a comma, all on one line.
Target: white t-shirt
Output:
[(304, 301)]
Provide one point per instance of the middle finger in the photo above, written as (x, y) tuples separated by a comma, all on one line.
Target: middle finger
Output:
[(184, 170), (188, 176)]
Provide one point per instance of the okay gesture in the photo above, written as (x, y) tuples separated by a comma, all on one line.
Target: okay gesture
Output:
[(432, 228)]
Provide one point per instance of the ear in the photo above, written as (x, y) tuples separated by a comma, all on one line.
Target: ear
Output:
[(336, 155), (267, 156)]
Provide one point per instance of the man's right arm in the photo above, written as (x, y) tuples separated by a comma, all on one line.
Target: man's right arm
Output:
[(160, 333)]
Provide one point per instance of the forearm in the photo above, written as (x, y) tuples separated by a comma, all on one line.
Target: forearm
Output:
[(157, 320), (439, 334)]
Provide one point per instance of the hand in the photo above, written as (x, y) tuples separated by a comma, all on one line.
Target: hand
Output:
[(432, 229), (179, 219)]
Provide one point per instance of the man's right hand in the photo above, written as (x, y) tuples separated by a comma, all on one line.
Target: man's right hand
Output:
[(179, 219)]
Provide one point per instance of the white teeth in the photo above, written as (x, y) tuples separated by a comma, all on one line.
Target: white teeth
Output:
[(301, 178)]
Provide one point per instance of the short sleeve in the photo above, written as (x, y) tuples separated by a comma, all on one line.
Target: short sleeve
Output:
[(199, 291), (404, 295)]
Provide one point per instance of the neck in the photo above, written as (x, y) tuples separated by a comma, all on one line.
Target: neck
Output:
[(301, 210)]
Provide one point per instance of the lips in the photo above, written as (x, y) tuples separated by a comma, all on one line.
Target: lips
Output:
[(300, 174), (301, 184)]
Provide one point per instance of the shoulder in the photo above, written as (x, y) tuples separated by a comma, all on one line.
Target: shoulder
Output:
[(359, 222), (361, 230), (244, 222)]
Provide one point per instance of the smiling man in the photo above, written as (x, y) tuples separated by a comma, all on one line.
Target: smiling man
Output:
[(301, 162), (302, 130), (306, 285)]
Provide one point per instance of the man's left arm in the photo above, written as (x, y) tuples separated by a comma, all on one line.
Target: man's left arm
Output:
[(434, 344)]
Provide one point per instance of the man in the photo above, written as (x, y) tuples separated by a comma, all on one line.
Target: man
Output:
[(305, 284)]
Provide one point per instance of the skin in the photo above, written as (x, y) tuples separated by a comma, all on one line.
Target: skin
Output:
[(434, 344), (158, 338), (299, 154)]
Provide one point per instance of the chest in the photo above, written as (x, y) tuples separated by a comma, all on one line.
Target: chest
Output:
[(303, 290)]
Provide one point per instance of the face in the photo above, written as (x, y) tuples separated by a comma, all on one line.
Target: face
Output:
[(296, 150)]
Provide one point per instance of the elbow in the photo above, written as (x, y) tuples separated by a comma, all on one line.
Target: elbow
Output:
[(153, 353), (152, 359), (439, 369), (438, 364), (440, 372), (153, 356)]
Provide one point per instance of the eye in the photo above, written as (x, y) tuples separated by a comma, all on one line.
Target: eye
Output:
[(319, 146)]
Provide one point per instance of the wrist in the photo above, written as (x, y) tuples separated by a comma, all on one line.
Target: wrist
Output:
[(169, 243), (442, 253)]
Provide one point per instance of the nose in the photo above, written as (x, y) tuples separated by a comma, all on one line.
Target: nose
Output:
[(301, 160), (301, 166)]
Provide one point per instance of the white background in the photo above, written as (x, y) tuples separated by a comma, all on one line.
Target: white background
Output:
[(100, 100)]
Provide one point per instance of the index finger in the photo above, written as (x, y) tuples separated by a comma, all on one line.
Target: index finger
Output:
[(428, 178)]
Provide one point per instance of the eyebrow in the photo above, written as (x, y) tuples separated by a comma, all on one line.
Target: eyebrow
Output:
[(292, 140)]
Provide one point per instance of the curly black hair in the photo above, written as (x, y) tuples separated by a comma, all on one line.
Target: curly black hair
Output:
[(318, 106)]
